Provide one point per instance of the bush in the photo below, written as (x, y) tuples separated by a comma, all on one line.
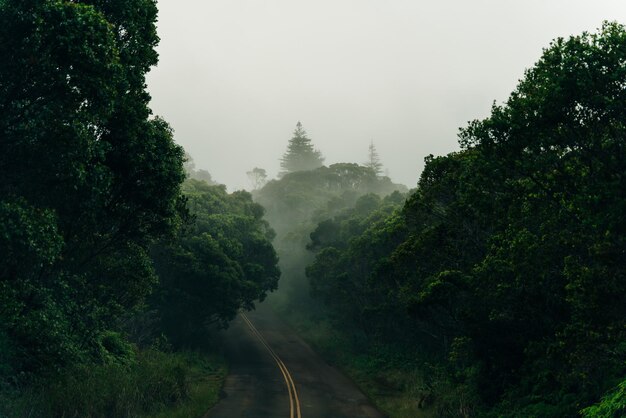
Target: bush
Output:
[(154, 381), (612, 405)]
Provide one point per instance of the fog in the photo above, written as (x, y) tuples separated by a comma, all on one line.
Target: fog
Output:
[(235, 76)]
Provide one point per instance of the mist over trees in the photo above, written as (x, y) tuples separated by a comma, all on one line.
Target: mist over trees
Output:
[(373, 160), (300, 154), (501, 279), (198, 174), (257, 177), (296, 202), (507, 263)]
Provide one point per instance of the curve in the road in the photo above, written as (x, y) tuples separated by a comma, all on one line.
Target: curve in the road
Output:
[(291, 386)]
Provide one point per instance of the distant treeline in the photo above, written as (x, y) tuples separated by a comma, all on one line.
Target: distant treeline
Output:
[(297, 201)]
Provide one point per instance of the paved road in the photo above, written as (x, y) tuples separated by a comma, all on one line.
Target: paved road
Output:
[(257, 345)]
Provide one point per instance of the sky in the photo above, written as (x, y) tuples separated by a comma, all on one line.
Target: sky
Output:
[(235, 76)]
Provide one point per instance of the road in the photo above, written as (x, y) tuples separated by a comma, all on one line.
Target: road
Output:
[(274, 374)]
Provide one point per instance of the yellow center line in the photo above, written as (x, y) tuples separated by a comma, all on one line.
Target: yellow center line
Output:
[(291, 386)]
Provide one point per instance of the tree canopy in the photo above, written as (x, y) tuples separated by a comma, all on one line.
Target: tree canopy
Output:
[(507, 264), (87, 178), (296, 202), (300, 154), (503, 272), (222, 262)]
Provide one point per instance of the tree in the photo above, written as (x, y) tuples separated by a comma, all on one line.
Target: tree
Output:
[(192, 173), (613, 404), (300, 154), (257, 177), (511, 268), (373, 160), (296, 202), (88, 179), (552, 157), (223, 262), (189, 165), (204, 175)]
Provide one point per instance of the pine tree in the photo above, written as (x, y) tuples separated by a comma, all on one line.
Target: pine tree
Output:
[(373, 160), (300, 154)]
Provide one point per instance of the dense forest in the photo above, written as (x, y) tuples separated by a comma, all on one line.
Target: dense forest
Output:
[(501, 278), (104, 246), (497, 285)]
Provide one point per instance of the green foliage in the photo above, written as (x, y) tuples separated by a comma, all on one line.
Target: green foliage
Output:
[(88, 179), (224, 261), (191, 172), (308, 196), (613, 405), (152, 384), (115, 348), (155, 380), (6, 357), (506, 266), (29, 239), (389, 377), (206, 375), (298, 201), (300, 154), (352, 245)]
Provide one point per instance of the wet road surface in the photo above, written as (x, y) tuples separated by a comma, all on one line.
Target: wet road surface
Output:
[(256, 344)]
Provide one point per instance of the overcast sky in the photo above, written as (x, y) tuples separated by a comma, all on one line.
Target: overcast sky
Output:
[(235, 76)]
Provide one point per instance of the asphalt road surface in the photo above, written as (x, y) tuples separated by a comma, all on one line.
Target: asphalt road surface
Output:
[(274, 374)]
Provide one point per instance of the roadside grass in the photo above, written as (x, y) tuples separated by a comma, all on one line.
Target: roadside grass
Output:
[(206, 374), (395, 387), (154, 385)]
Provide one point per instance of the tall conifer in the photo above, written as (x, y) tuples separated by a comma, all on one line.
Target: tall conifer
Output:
[(300, 154)]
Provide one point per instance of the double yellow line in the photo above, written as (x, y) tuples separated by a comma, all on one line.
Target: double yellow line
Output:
[(291, 386)]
